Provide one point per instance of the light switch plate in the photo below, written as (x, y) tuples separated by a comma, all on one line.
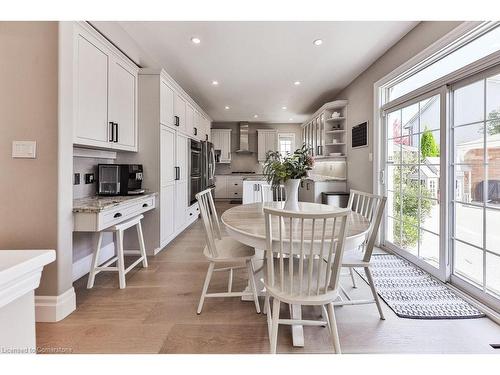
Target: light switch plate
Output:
[(24, 149)]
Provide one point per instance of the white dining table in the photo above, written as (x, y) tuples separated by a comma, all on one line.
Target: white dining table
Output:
[(246, 224)]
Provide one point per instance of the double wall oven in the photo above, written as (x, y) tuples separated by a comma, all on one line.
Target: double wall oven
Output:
[(202, 168)]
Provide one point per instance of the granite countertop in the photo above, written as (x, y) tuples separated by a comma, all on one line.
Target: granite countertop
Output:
[(100, 203), (321, 178), (258, 177)]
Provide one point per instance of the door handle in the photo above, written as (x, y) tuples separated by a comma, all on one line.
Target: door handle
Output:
[(111, 131), (195, 131), (115, 126), (176, 120)]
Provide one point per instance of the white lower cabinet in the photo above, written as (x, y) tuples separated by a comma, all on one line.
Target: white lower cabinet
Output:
[(252, 191), (167, 220)]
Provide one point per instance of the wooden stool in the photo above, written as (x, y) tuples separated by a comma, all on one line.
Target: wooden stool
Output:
[(118, 230)]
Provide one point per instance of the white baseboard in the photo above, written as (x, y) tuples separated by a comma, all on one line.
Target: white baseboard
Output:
[(55, 308), (82, 266)]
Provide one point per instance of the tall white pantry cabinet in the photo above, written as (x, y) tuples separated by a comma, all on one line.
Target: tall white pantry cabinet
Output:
[(164, 144)]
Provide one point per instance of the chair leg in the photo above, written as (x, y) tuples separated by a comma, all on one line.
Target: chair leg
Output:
[(208, 277), (121, 258), (142, 248), (332, 322), (266, 304), (351, 271), (374, 292), (267, 311), (274, 326), (253, 287), (95, 263), (324, 315)]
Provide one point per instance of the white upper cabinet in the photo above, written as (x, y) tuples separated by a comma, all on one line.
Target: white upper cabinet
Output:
[(190, 120), (179, 112), (267, 140), (91, 89), (105, 88), (122, 104), (221, 138), (167, 104)]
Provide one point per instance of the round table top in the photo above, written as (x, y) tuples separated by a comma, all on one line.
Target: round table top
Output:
[(247, 220)]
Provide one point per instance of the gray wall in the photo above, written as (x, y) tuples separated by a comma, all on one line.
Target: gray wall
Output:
[(248, 162), (29, 111), (359, 93)]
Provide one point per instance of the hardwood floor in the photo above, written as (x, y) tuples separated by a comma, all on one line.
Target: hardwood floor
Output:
[(156, 313)]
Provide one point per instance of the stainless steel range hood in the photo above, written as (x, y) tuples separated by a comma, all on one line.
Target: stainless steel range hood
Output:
[(244, 139)]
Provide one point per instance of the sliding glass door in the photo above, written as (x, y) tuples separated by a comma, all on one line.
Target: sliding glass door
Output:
[(414, 181), (475, 165)]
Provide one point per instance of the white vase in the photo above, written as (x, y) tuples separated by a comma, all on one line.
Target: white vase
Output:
[(292, 194)]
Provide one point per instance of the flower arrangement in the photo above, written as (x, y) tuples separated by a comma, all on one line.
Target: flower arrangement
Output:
[(279, 168)]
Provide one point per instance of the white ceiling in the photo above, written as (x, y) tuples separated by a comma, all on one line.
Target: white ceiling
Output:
[(256, 63)]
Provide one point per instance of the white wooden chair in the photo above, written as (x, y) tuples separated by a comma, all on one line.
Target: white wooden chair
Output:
[(372, 207), (268, 193), (118, 230), (310, 276), (223, 250)]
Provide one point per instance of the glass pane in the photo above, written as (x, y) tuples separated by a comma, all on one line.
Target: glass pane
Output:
[(409, 235), (468, 262), (429, 248), (393, 177), (493, 231), (469, 180), (469, 144), (393, 231), (493, 188), (394, 150), (493, 101), (478, 48), (469, 224), (493, 273), (394, 124), (429, 181), (390, 204), (429, 215), (410, 119), (430, 115), (430, 147), (468, 103), (410, 150)]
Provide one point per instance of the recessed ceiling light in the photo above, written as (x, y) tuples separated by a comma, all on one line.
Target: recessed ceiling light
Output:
[(284, 107), (296, 83), (318, 42), (215, 83), (195, 40), (255, 116), (226, 107), (290, 119)]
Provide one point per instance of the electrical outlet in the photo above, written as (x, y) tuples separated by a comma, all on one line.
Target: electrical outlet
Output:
[(89, 178), (76, 179)]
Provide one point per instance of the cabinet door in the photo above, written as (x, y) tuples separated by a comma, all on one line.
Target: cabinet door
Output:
[(216, 139), (180, 112), (226, 146), (220, 187), (166, 104), (181, 204), (123, 105), (181, 157), (167, 182), (261, 146), (189, 120), (91, 87)]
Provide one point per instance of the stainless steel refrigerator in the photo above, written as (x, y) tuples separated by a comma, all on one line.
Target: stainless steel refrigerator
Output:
[(208, 165)]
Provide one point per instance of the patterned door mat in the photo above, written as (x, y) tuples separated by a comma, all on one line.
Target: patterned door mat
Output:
[(413, 293)]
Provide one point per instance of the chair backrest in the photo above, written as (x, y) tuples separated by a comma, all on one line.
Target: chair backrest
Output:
[(210, 220), (316, 241), (268, 193), (372, 207)]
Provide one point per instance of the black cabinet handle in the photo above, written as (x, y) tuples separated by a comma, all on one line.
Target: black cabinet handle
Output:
[(145, 205), (115, 132), (111, 132), (117, 215), (177, 173), (176, 121), (190, 214), (195, 131), (206, 137)]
